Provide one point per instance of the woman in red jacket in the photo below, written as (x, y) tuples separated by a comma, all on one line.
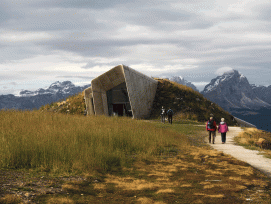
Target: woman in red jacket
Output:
[(223, 128), (211, 127)]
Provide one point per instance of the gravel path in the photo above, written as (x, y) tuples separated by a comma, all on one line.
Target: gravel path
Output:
[(251, 157)]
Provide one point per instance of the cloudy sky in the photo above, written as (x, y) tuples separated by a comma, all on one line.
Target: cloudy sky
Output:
[(43, 41)]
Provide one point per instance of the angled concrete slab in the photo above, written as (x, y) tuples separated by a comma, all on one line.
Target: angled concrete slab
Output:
[(123, 91)]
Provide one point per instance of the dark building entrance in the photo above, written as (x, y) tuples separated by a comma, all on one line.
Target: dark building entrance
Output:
[(119, 109), (118, 101)]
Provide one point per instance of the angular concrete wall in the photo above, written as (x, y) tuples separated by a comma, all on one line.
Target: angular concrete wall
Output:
[(88, 100), (103, 83), (141, 91)]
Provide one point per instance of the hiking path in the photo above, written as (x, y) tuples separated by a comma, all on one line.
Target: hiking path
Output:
[(252, 157)]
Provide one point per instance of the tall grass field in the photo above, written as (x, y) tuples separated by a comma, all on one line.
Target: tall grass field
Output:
[(72, 143)]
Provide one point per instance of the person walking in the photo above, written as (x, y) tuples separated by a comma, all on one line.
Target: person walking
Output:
[(170, 114), (163, 114), (211, 128), (223, 129)]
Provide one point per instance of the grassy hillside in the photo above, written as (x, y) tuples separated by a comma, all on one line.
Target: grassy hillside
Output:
[(70, 143), (64, 158), (49, 157), (186, 103), (74, 105)]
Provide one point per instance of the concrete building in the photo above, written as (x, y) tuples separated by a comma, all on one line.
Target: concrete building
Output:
[(121, 91)]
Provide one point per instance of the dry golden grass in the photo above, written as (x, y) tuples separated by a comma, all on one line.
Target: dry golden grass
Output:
[(190, 175), (253, 138), (165, 191), (145, 200), (129, 183), (197, 175), (70, 187), (64, 143), (10, 199), (63, 200)]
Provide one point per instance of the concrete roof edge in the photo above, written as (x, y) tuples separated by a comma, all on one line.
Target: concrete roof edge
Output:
[(139, 73)]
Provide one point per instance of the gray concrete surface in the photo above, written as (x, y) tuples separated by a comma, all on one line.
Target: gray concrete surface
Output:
[(141, 91), (251, 157)]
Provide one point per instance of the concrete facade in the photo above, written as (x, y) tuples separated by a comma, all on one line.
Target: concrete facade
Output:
[(122, 91)]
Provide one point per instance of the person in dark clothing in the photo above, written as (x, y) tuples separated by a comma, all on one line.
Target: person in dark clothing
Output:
[(170, 114), (163, 114), (211, 128)]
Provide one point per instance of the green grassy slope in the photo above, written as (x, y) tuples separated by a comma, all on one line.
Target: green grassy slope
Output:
[(186, 103), (74, 105)]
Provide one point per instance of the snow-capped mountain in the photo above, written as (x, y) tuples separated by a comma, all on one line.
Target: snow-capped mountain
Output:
[(262, 92), (35, 99), (181, 80), (65, 87), (232, 90)]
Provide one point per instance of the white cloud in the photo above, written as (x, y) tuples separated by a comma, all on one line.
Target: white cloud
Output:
[(222, 70), (45, 39), (24, 36)]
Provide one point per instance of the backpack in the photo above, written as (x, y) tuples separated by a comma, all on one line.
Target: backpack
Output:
[(170, 112), (210, 124)]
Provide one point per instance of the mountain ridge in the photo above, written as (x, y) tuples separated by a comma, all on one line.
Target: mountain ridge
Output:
[(181, 80), (233, 91), (35, 99)]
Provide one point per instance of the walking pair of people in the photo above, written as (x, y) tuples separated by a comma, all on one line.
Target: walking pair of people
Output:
[(169, 113), (222, 128)]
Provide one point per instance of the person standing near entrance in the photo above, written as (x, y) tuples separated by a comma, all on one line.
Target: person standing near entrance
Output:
[(211, 128), (163, 114), (170, 114), (223, 128)]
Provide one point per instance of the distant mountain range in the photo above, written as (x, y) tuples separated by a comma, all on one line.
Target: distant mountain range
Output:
[(182, 81), (232, 91), (56, 91), (35, 99)]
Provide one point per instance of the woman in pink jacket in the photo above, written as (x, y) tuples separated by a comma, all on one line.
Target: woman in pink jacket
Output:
[(223, 128)]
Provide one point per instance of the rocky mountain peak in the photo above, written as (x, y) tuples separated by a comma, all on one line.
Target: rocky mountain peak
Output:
[(229, 77), (64, 87), (61, 85), (232, 90), (35, 99), (181, 80)]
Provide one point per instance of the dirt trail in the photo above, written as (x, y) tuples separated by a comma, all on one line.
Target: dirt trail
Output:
[(251, 157)]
